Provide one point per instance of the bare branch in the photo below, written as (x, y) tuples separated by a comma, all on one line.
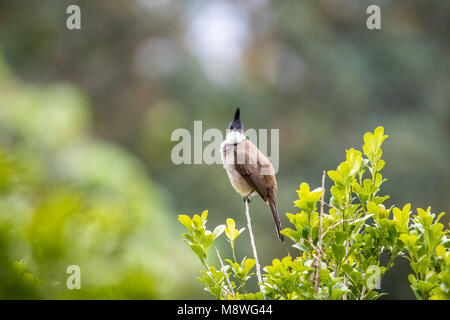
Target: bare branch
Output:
[(319, 242), (231, 291), (252, 242), (330, 205), (363, 293)]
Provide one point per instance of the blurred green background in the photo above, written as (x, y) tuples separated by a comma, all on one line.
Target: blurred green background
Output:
[(86, 118)]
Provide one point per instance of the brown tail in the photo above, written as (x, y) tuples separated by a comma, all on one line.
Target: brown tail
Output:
[(273, 208)]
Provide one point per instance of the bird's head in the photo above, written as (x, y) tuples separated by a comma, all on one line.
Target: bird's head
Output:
[(235, 131), (236, 124)]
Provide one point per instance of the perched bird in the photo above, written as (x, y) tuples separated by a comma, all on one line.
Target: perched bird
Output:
[(249, 171)]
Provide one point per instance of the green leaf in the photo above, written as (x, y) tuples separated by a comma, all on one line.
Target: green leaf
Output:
[(291, 217), (306, 199), (340, 237), (369, 145), (335, 176), (424, 287), (380, 164), (230, 230), (408, 240), (379, 136), (186, 221), (188, 238), (354, 159), (219, 230), (207, 241), (291, 234), (347, 268), (305, 232), (301, 246), (303, 191), (441, 252), (315, 195), (198, 251), (439, 217), (248, 265), (422, 265), (372, 144), (204, 216), (197, 222), (412, 279), (338, 252)]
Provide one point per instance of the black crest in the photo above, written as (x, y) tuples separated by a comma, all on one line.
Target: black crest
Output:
[(236, 123)]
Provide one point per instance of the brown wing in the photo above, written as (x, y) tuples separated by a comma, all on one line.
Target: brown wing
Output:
[(255, 168), (258, 172)]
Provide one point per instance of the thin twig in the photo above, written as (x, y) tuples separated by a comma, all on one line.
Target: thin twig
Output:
[(330, 205), (344, 297), (360, 227), (363, 293), (319, 242), (346, 253), (334, 225), (312, 245), (231, 292), (252, 242)]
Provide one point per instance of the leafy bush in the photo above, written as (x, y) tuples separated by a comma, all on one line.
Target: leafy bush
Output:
[(339, 242)]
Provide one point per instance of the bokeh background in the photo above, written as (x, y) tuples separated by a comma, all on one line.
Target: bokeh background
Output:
[(86, 118)]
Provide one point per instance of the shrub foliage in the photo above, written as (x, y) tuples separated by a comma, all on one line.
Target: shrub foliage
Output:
[(339, 241)]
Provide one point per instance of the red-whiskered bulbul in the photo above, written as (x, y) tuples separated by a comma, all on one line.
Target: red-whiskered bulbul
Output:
[(249, 171)]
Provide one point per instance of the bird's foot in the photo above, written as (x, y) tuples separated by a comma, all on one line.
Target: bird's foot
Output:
[(247, 199)]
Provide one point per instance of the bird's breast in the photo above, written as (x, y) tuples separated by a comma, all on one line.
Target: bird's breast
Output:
[(237, 181)]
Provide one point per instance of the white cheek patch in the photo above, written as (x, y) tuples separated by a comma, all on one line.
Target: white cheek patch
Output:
[(234, 137)]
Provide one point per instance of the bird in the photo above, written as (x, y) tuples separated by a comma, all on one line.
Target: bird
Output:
[(248, 169)]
